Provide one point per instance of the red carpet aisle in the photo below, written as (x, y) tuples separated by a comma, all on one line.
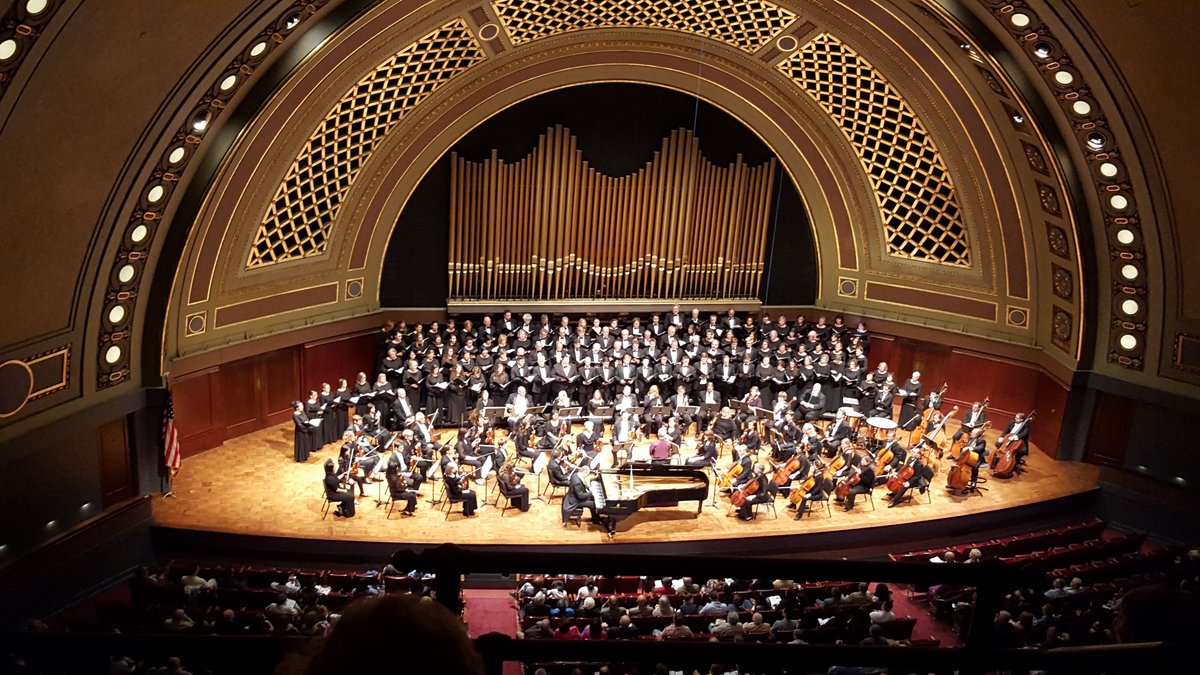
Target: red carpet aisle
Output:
[(491, 611), (927, 626)]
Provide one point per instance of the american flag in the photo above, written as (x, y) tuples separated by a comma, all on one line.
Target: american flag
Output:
[(170, 436)]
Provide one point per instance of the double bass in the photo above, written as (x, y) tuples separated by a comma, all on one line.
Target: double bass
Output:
[(1005, 463), (957, 446), (923, 425), (960, 474)]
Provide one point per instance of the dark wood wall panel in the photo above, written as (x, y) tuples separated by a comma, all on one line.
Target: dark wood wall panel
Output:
[(238, 397), (328, 360), (197, 418), (248, 394), (1012, 386), (280, 383), (1051, 405)]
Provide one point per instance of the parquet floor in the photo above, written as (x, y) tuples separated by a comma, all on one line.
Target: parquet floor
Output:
[(250, 485)]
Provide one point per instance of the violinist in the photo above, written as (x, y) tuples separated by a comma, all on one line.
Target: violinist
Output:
[(586, 440), (865, 482), (922, 474), (653, 400), (402, 410), (510, 486), (706, 453), (456, 489), (751, 438), (679, 400), (515, 409), (753, 400), (335, 493), (762, 491), (399, 480), (412, 458), (594, 404), (467, 448), (348, 466), (559, 470)]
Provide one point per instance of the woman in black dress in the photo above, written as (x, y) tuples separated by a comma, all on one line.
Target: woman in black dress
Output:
[(303, 432), (456, 396), (334, 493), (510, 487)]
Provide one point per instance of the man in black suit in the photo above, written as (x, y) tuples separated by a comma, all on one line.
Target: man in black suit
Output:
[(922, 474), (1017, 429), (866, 481), (579, 496)]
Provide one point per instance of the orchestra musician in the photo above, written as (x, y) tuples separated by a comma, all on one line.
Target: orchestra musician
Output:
[(746, 459), (579, 496), (1017, 429), (922, 475), (971, 421), (725, 426), (706, 452), (812, 404), (882, 405), (335, 493), (978, 444), (510, 487), (399, 483), (866, 481), (586, 440), (516, 407), (681, 399), (838, 432), (764, 492), (899, 453), (457, 490)]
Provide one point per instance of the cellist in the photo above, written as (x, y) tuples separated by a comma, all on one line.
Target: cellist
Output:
[(922, 474), (756, 489), (899, 455)]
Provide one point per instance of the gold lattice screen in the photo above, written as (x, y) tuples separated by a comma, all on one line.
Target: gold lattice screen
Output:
[(550, 227)]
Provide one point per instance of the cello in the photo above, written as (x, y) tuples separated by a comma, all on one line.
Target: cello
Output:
[(885, 457), (1005, 463), (843, 487), (898, 479), (923, 425), (960, 475), (740, 495), (797, 494)]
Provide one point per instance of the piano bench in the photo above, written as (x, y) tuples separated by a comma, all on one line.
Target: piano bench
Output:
[(576, 517)]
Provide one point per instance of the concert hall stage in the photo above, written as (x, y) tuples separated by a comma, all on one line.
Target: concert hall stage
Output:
[(249, 494)]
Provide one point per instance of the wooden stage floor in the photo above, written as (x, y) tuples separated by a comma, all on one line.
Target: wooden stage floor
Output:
[(251, 486)]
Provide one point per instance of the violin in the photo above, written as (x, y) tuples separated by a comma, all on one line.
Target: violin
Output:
[(1006, 454)]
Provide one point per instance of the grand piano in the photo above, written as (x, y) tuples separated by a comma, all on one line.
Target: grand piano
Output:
[(621, 491)]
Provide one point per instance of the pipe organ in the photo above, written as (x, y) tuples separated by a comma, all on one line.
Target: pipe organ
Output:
[(550, 227)]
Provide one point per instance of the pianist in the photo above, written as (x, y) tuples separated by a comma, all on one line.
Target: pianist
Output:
[(579, 496)]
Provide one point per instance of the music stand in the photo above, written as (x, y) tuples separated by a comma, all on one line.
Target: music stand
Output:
[(604, 412), (662, 410), (741, 406), (571, 413), (493, 413), (536, 409), (762, 413), (539, 467), (710, 409)]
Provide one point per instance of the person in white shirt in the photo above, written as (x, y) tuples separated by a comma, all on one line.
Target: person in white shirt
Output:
[(884, 614)]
